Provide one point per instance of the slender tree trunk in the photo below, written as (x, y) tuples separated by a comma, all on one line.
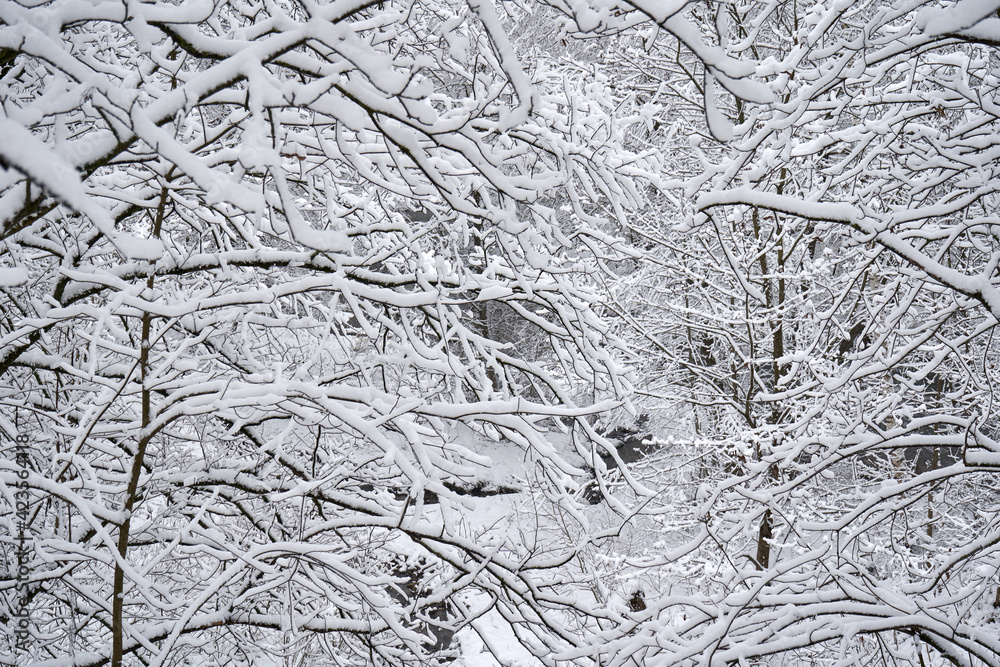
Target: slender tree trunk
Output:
[(145, 435), (764, 535), (775, 292)]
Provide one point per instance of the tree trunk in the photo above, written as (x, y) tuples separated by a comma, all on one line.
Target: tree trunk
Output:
[(145, 435)]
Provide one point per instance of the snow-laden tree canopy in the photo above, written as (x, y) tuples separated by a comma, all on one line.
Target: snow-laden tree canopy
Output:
[(828, 311), (266, 269), (272, 273)]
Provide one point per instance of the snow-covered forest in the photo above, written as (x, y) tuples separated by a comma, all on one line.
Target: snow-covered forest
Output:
[(488, 332)]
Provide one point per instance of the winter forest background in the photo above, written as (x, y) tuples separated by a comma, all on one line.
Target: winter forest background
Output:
[(541, 332)]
